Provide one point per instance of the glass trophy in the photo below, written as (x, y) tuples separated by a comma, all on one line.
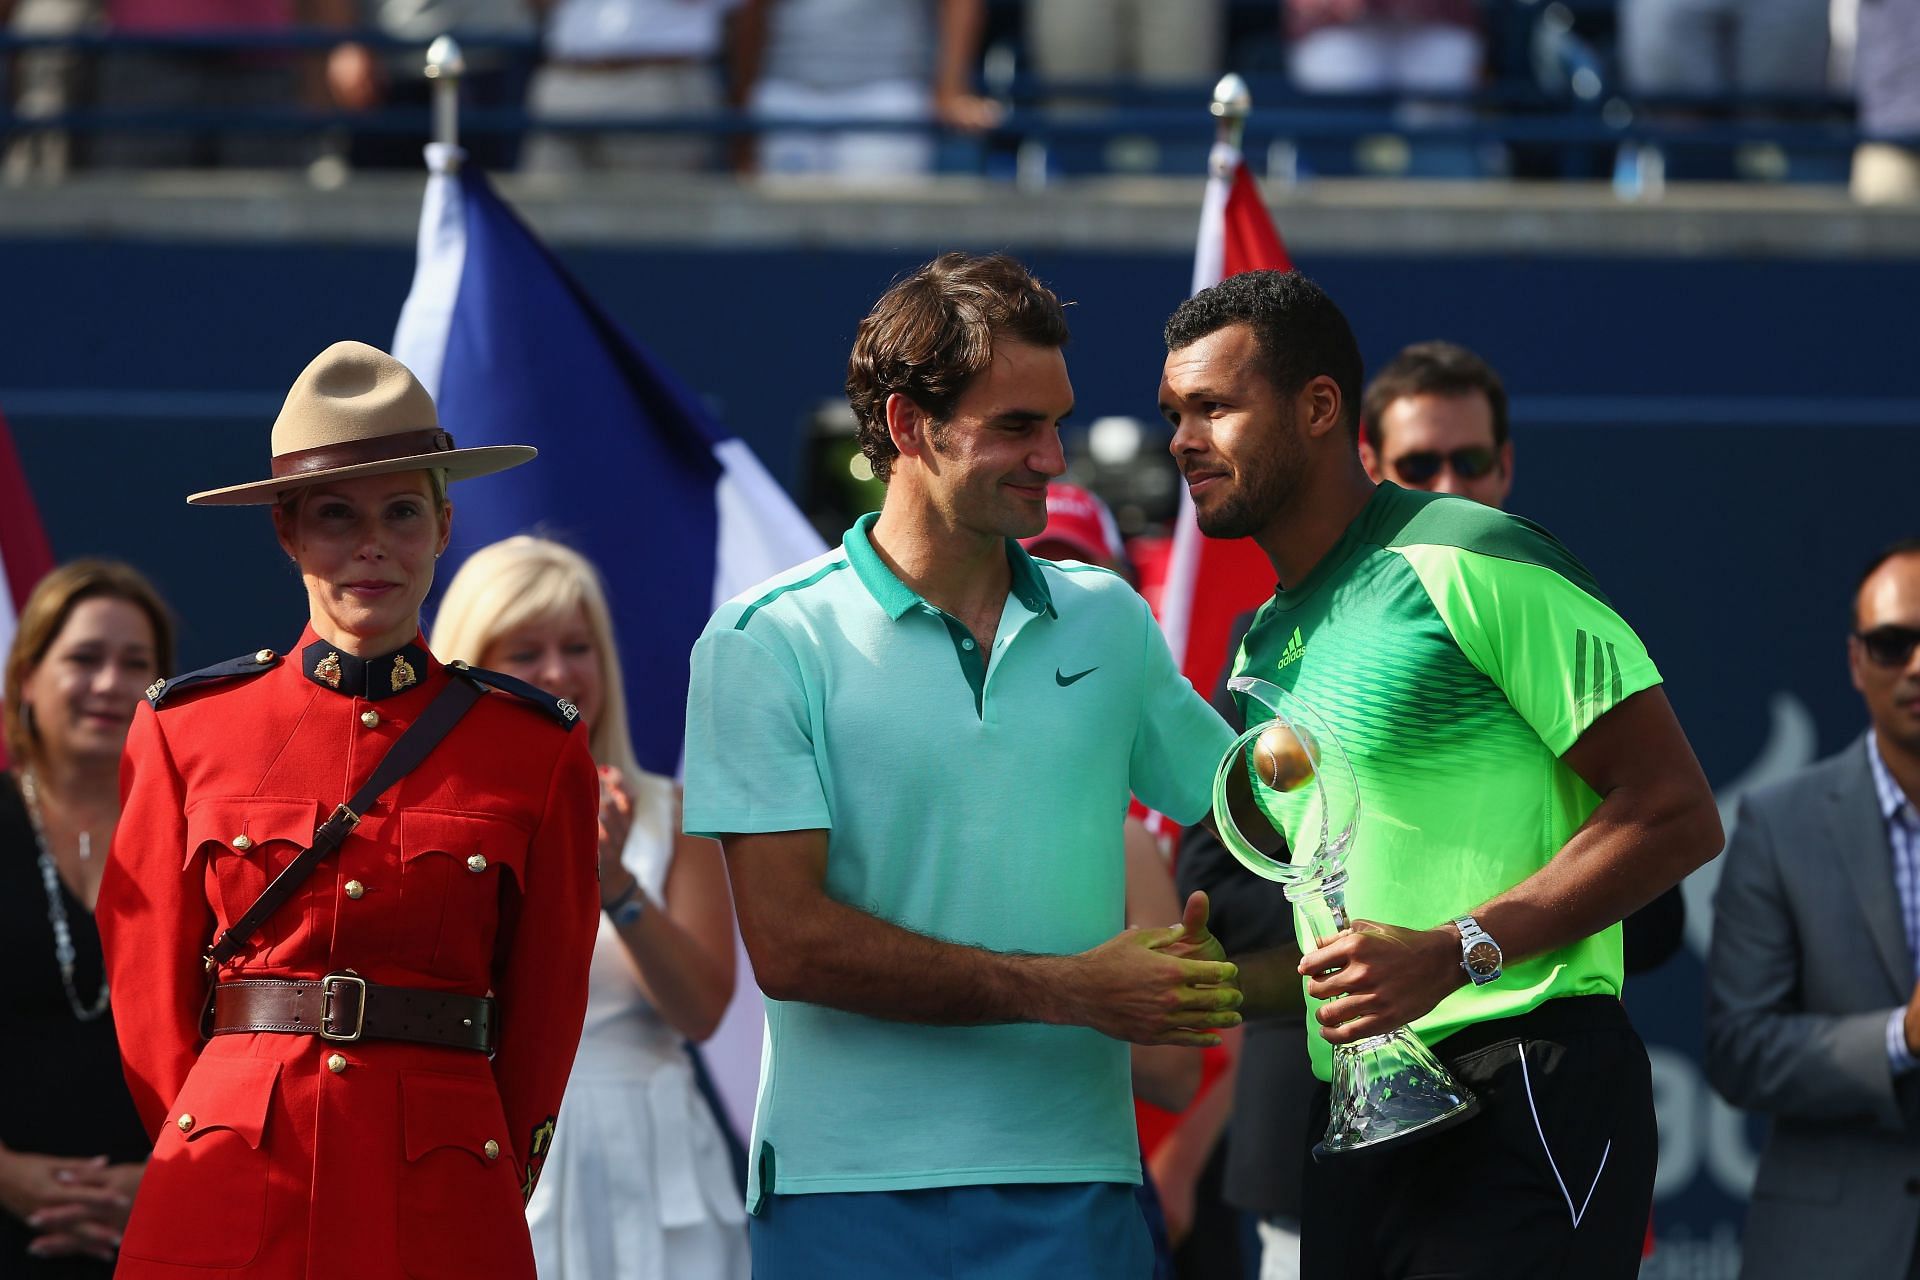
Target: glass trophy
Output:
[(1286, 803)]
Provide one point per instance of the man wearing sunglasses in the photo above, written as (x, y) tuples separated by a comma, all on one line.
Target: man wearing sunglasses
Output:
[(1436, 418), (1813, 1012)]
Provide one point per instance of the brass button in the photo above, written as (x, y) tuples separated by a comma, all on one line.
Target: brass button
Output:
[(355, 888), (492, 1149), (478, 862), (336, 1063), (242, 843), (185, 1122), (370, 718), (263, 657)]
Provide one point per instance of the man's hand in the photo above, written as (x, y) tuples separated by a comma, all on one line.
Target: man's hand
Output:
[(1377, 977), (1911, 1023), (966, 112), (1193, 940), (1139, 986)]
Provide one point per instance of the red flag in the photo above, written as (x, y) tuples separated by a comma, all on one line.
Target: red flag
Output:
[(25, 556), (1210, 582)]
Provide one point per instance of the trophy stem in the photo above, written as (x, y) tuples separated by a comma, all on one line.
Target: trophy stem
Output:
[(1386, 1089), (1322, 905)]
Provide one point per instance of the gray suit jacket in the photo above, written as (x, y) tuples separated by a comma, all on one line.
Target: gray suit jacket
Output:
[(1809, 957)]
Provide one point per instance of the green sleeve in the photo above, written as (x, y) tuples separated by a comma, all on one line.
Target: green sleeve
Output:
[(1551, 643)]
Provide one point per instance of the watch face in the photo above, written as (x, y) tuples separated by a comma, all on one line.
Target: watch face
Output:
[(1483, 957)]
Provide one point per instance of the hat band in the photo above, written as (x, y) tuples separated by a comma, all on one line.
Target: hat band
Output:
[(331, 457)]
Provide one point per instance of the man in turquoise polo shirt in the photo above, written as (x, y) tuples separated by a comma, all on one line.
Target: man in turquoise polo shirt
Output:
[(918, 751), (1524, 785)]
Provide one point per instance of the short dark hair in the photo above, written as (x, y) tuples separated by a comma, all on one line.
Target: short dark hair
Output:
[(1433, 369), (1301, 335), (1904, 547), (932, 334)]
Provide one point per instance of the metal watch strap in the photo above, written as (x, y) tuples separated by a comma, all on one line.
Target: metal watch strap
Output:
[(426, 733), (1471, 936)]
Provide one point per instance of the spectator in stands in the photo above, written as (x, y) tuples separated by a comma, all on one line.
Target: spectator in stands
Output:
[(496, 38), (44, 83), (236, 83), (1718, 48), (626, 58), (1384, 46), (1887, 75), (883, 60), (1146, 40)]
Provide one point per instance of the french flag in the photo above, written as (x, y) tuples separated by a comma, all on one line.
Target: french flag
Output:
[(1211, 582), (25, 556), (634, 473)]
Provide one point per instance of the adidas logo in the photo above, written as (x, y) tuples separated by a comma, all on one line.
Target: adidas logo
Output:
[(1296, 649)]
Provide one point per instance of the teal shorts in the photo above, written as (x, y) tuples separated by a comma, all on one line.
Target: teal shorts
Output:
[(1045, 1231)]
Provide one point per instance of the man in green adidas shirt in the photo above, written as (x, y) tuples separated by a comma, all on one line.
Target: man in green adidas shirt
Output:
[(1523, 782)]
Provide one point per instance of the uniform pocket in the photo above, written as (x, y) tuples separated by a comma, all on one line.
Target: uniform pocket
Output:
[(451, 879), (203, 1200), (248, 840), (460, 1209)]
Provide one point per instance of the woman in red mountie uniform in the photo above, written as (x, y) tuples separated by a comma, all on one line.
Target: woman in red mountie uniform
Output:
[(329, 1129)]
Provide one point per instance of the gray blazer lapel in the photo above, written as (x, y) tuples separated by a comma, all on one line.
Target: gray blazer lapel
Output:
[(1860, 835)]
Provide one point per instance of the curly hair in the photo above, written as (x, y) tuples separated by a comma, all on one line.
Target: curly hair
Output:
[(1299, 332)]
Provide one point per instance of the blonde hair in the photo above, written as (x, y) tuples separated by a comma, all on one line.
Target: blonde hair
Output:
[(522, 580)]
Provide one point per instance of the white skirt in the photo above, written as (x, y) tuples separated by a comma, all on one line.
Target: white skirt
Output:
[(638, 1185)]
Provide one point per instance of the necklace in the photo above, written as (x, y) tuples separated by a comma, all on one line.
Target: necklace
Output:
[(63, 951)]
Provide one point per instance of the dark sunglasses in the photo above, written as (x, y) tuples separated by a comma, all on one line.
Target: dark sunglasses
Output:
[(1469, 464), (1889, 646)]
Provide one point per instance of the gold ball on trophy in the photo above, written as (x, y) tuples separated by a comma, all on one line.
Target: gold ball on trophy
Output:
[(1281, 759)]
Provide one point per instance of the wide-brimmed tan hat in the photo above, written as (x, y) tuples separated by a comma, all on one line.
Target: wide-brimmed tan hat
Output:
[(356, 411)]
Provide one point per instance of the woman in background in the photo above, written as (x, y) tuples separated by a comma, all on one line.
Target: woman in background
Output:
[(92, 635), (638, 1185)]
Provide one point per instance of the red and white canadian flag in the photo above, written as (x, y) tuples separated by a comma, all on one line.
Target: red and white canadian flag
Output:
[(1211, 581), (25, 556)]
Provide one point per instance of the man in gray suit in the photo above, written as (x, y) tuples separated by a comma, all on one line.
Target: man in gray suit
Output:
[(1813, 1011)]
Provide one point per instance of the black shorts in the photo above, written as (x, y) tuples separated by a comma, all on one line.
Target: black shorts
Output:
[(1553, 1177)]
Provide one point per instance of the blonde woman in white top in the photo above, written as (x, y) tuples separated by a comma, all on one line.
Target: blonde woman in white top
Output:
[(638, 1185)]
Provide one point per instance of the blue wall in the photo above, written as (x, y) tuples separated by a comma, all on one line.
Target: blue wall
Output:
[(1729, 528)]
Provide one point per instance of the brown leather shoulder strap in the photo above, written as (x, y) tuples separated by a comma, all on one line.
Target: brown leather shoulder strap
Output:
[(426, 733)]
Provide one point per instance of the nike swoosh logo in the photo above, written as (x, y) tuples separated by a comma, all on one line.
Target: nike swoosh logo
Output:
[(1064, 680)]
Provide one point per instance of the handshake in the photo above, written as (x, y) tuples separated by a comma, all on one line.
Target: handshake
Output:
[(1170, 986)]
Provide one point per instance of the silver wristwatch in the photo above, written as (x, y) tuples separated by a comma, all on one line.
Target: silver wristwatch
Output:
[(1480, 955)]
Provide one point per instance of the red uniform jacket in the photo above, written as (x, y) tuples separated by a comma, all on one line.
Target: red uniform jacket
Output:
[(475, 874)]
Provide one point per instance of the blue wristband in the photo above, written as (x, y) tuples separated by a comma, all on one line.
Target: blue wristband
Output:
[(628, 907)]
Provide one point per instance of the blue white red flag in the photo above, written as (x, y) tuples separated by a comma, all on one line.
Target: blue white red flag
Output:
[(634, 473), (25, 556)]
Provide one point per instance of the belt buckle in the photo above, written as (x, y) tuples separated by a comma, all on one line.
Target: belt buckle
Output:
[(328, 986)]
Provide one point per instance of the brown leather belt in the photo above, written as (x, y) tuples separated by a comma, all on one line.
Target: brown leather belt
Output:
[(344, 1007)]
